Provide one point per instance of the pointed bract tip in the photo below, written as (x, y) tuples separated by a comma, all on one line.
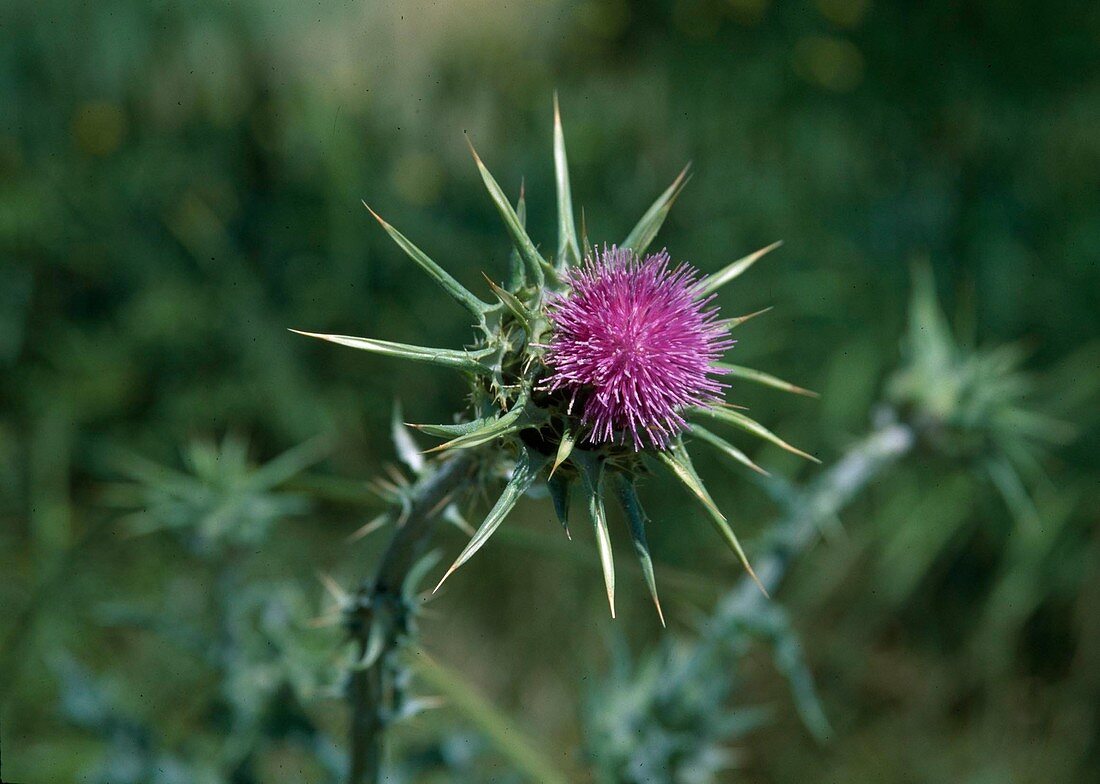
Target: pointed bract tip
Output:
[(376, 216), (473, 152), (558, 460), (680, 183), (737, 321), (756, 580), (443, 579)]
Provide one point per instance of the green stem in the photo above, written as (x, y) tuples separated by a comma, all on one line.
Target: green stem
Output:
[(800, 525), (379, 614)]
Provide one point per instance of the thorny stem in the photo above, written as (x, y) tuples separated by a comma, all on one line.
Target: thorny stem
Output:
[(378, 611), (800, 525)]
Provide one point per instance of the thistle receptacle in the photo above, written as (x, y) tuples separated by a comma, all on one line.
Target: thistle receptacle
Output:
[(587, 365)]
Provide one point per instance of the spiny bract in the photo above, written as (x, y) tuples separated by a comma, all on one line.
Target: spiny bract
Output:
[(586, 366)]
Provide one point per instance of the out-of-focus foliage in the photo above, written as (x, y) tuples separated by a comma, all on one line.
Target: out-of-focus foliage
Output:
[(970, 403), (179, 182)]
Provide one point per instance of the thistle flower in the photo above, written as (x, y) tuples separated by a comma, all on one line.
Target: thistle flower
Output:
[(580, 353), (637, 344)]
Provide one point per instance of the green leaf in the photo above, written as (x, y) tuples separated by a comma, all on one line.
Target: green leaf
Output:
[(642, 234), (560, 489), (526, 249), (492, 430), (441, 357), (517, 279), (677, 460), (760, 377), (739, 420), (635, 515), (726, 448), (458, 292), (568, 247), (712, 283), (526, 470), (592, 470)]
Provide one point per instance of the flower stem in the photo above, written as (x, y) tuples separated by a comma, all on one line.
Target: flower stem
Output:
[(379, 619)]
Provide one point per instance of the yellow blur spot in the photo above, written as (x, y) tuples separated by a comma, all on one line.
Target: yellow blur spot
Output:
[(98, 127), (831, 63)]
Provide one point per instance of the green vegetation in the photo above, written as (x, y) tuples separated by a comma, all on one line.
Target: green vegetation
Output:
[(180, 476)]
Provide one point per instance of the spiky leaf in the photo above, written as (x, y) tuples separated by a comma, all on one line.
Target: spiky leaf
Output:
[(712, 283), (568, 247), (635, 515), (527, 250), (739, 420), (523, 476), (677, 460), (592, 472), (517, 278), (725, 447), (456, 290), (560, 489), (640, 237), (441, 357), (507, 423), (760, 377)]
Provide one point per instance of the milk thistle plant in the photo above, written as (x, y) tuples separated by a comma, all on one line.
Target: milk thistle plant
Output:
[(586, 368)]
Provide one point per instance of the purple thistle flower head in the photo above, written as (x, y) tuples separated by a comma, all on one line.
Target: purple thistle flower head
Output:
[(634, 344)]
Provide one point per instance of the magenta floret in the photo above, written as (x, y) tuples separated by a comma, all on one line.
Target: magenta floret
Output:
[(633, 345)]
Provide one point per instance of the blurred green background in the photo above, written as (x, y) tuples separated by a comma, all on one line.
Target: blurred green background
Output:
[(181, 182)]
